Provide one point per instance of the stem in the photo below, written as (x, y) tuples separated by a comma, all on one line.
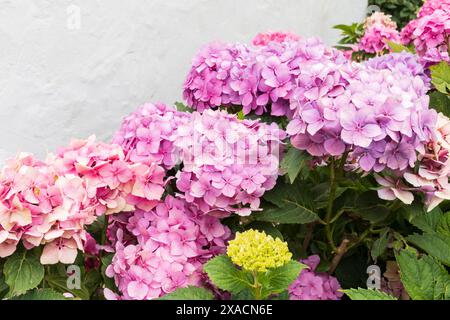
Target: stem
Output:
[(340, 252), (257, 286), (329, 212), (308, 237)]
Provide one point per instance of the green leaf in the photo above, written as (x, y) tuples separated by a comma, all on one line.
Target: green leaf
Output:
[(397, 47), (41, 294), (424, 278), (226, 276), (182, 107), (293, 205), (291, 213), (367, 205), (278, 280), (440, 102), (367, 294), (443, 227), (440, 76), (435, 244), (59, 283), (23, 272), (427, 222), (380, 245), (189, 293), (293, 162), (267, 227)]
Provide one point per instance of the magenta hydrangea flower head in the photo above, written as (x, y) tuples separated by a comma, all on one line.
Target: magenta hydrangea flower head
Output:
[(430, 32), (258, 78), (311, 285), (378, 30), (264, 38), (228, 164), (170, 245), (147, 135), (208, 84)]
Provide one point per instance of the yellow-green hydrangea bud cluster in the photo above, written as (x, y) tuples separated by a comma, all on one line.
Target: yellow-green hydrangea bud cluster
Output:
[(255, 251)]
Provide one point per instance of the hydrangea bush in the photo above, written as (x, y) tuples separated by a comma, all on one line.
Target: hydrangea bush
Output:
[(292, 168)]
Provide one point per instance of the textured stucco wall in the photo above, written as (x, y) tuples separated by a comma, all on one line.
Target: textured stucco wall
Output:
[(58, 81)]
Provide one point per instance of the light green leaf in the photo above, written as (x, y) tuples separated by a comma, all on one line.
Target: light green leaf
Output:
[(226, 276), (189, 293), (22, 272), (424, 278), (278, 280), (440, 76), (397, 47), (182, 107), (380, 245), (41, 294), (435, 244), (293, 162), (367, 294)]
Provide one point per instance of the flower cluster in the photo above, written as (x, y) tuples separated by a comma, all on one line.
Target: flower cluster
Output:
[(171, 243), (255, 251), (264, 38), (430, 32), (147, 134), (112, 184), (404, 62), (258, 79), (49, 203), (227, 163), (431, 176), (381, 117), (378, 30), (314, 286)]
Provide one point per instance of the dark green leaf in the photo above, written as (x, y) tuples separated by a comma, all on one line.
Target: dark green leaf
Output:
[(435, 244), (189, 293), (380, 245), (293, 162), (41, 294), (367, 294)]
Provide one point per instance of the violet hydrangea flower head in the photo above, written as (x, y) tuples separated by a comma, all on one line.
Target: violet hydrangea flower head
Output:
[(147, 134), (228, 164), (402, 62), (380, 117), (311, 285), (171, 244)]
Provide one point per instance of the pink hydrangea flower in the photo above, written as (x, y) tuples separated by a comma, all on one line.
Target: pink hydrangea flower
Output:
[(264, 38), (50, 203), (168, 247), (378, 30), (260, 79), (430, 32), (228, 164), (314, 286), (147, 134)]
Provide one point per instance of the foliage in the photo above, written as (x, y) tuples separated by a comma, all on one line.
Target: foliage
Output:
[(402, 11)]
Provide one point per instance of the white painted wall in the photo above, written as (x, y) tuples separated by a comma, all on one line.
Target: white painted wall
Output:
[(57, 82)]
